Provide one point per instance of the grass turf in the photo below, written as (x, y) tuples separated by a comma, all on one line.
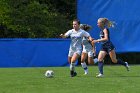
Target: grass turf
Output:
[(32, 80)]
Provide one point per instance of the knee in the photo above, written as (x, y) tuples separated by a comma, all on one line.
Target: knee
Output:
[(100, 60)]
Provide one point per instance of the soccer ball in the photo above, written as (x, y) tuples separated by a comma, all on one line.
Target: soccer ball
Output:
[(49, 73)]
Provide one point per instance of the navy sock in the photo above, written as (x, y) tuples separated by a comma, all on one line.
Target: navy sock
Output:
[(85, 68), (100, 67), (121, 62)]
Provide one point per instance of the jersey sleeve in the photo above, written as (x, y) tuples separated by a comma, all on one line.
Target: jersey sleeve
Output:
[(68, 33), (86, 34)]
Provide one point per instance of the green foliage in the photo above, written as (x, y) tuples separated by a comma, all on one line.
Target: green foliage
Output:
[(34, 18)]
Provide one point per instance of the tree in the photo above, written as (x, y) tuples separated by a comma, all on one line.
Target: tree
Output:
[(34, 18)]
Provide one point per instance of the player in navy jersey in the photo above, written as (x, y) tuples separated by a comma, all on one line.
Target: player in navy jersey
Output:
[(76, 34), (106, 45)]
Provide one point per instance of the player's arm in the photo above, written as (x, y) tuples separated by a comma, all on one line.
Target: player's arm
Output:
[(93, 47), (94, 50), (86, 34), (90, 38), (67, 34)]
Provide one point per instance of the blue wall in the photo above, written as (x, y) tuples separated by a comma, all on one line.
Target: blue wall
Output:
[(126, 14), (33, 52)]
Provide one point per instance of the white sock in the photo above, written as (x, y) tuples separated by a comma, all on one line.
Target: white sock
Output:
[(84, 66), (95, 60)]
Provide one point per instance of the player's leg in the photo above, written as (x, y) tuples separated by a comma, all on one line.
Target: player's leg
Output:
[(72, 65), (83, 63), (90, 60), (90, 57), (101, 56), (69, 59), (112, 55), (95, 59)]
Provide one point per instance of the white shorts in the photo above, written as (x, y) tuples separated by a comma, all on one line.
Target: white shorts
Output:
[(89, 52), (72, 52)]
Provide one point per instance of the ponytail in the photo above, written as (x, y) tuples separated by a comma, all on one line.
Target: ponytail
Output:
[(107, 22), (85, 27)]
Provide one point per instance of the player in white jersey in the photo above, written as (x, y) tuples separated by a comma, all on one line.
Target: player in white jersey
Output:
[(88, 50), (76, 34)]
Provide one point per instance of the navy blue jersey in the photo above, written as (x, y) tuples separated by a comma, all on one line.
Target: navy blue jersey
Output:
[(106, 45), (102, 36)]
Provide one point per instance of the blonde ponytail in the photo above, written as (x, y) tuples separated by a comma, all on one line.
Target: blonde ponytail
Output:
[(107, 22)]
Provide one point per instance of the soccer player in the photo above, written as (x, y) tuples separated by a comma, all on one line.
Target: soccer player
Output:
[(88, 50), (76, 34), (106, 45)]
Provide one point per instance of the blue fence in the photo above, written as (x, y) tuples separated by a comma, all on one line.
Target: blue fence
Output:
[(33, 52), (125, 13)]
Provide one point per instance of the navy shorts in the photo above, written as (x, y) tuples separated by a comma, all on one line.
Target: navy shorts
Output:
[(107, 47)]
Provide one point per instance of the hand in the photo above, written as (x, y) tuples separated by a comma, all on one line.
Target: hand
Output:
[(61, 35), (90, 39), (95, 41)]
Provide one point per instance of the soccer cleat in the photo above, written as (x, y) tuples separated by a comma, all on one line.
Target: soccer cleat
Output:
[(100, 75), (72, 73), (85, 73), (127, 66)]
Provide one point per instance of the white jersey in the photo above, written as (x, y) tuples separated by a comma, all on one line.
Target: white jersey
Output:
[(76, 39), (87, 47), (86, 44)]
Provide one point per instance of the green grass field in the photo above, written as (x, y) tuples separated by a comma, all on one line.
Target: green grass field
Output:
[(32, 80)]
